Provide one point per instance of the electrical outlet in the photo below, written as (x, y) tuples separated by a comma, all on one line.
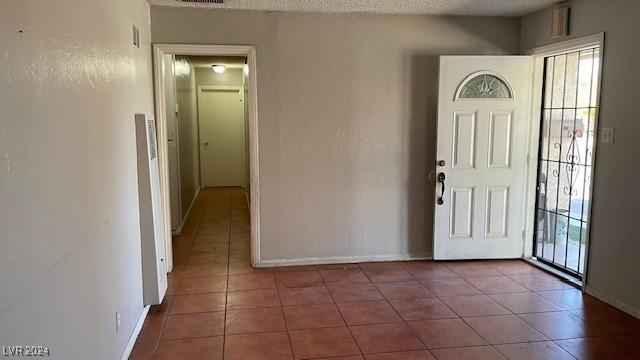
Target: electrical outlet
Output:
[(607, 135), (117, 321)]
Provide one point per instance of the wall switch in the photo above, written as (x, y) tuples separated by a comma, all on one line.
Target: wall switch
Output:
[(117, 321), (607, 135)]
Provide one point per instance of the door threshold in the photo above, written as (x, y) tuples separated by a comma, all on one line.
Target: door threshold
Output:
[(550, 269)]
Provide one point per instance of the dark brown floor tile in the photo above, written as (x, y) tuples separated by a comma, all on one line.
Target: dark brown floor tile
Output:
[(450, 287), (540, 282), (426, 270), (528, 302), (405, 355), (207, 258), (474, 305), (343, 277), (474, 268), (445, 333), (319, 343), (248, 299), (186, 304), (172, 285), (252, 281), (202, 270), (572, 299), (254, 320), (606, 347), (383, 338), (312, 316), (368, 312), (144, 350), (200, 348), (387, 275), (298, 278), (546, 350), (609, 320), (199, 285), (193, 325), (559, 325), (496, 284), (422, 308), (468, 353), (504, 329), (404, 289), (260, 346), (305, 296), (354, 292)]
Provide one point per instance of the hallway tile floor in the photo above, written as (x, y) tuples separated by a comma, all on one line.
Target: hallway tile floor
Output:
[(219, 307)]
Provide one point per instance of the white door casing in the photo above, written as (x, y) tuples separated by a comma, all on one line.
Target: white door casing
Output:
[(483, 121), (222, 135)]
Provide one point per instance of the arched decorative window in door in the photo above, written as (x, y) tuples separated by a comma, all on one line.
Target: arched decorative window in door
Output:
[(484, 85)]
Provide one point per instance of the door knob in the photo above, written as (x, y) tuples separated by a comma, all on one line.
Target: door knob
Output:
[(441, 179)]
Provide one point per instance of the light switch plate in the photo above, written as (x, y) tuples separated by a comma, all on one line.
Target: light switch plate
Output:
[(607, 135)]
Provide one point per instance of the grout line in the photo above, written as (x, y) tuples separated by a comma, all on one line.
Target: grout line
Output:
[(340, 313)]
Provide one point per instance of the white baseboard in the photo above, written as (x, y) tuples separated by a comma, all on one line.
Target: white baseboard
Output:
[(134, 336), (613, 301), (342, 260), (178, 231)]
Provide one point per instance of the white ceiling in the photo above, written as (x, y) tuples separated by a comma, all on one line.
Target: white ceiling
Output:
[(431, 7)]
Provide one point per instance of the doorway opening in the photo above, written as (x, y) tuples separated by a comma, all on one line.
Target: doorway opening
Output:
[(565, 161), (207, 143)]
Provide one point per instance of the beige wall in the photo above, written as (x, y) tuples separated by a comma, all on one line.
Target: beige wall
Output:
[(614, 250), (189, 145), (69, 223), (346, 121)]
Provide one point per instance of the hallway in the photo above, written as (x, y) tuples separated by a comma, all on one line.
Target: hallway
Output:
[(218, 307)]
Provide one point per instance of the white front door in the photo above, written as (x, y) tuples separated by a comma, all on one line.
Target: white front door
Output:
[(222, 136), (483, 119)]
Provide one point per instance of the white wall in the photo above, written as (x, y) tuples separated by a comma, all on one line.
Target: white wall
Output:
[(614, 247), (346, 120), (69, 223)]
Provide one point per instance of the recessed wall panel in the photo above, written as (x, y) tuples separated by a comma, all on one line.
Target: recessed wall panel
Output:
[(461, 212), (500, 139), (497, 212), (464, 140)]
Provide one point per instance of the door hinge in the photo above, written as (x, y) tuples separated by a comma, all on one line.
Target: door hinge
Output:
[(523, 234)]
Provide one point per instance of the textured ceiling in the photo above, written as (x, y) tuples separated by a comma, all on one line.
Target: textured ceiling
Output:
[(432, 7)]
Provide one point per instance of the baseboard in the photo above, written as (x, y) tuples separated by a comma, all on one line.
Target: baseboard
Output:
[(178, 231), (134, 336), (613, 301), (342, 260)]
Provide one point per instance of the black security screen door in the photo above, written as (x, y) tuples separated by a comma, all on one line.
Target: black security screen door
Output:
[(565, 159)]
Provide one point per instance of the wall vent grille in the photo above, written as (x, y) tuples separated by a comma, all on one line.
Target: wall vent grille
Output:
[(151, 134)]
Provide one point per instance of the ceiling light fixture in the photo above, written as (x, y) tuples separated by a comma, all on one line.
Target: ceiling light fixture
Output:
[(218, 69)]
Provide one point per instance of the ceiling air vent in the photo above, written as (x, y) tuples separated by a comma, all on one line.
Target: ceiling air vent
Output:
[(205, 1)]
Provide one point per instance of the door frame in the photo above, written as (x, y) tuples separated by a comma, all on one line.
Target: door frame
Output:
[(208, 50), (222, 87), (539, 54)]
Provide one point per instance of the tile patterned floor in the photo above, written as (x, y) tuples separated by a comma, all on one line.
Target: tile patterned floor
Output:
[(219, 307)]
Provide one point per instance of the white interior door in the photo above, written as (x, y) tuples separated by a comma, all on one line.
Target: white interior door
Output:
[(222, 140), (483, 120)]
